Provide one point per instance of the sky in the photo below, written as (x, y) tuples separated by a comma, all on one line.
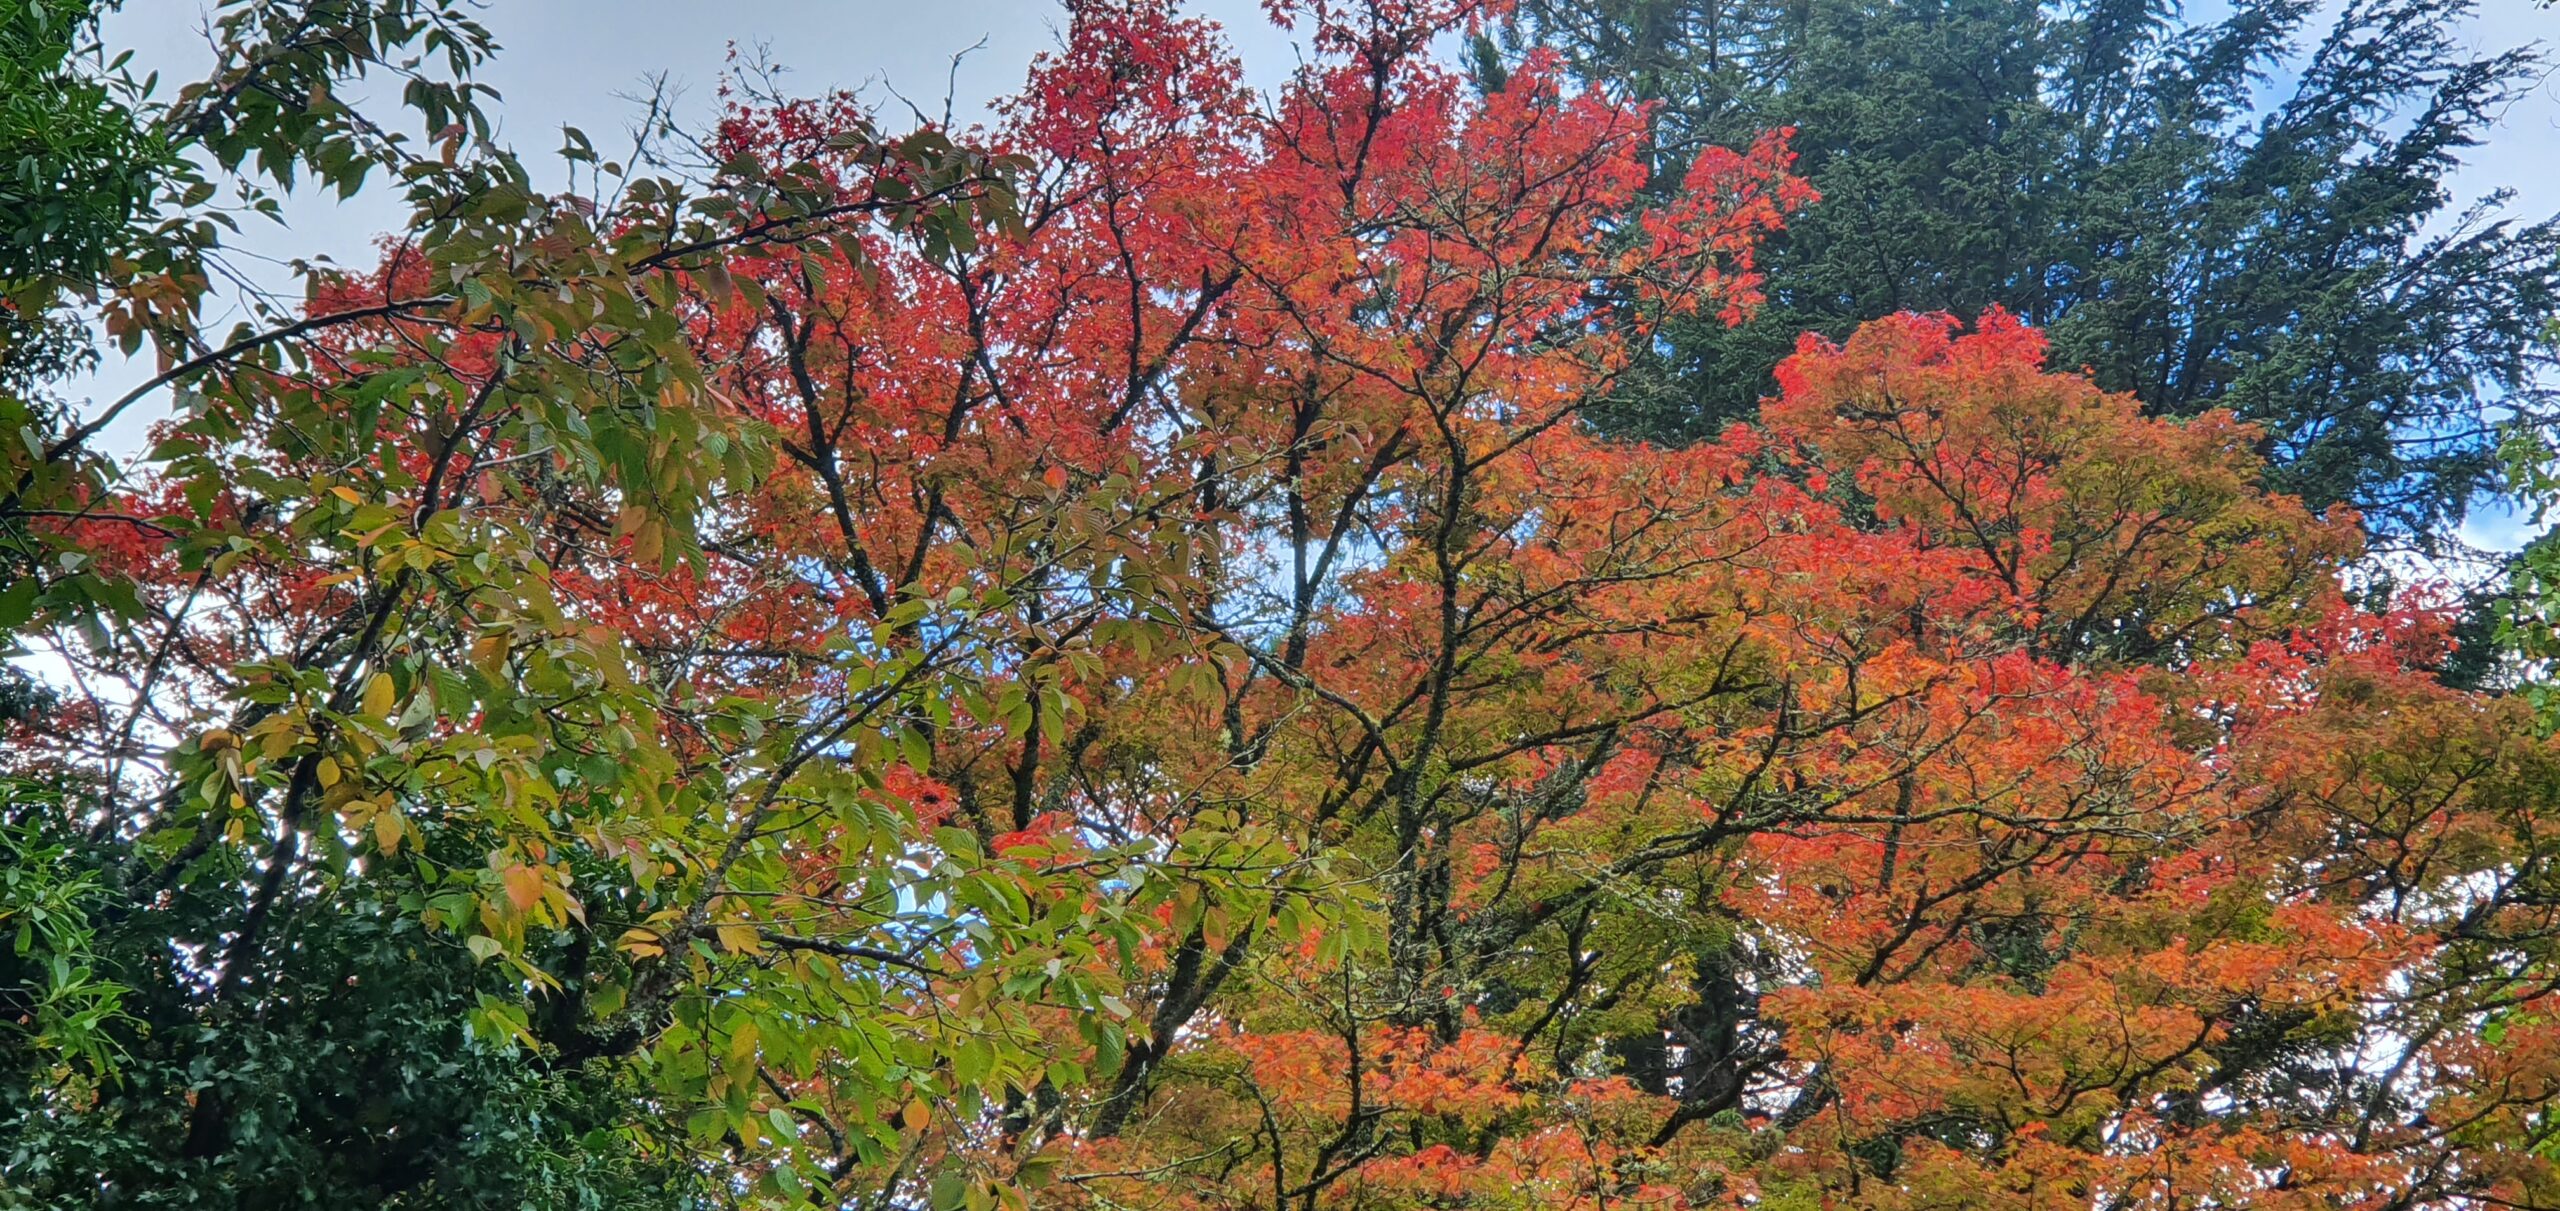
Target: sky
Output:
[(582, 62)]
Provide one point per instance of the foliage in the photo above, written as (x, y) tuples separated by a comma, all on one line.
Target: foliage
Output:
[(354, 1083), (76, 170), (78, 166), (50, 990), (2529, 626), (327, 583), (2250, 209), (1099, 661), (2527, 614)]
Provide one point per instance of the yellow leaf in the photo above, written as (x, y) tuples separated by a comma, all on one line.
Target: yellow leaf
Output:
[(641, 944), (740, 939), (378, 696), (277, 741), (916, 1115)]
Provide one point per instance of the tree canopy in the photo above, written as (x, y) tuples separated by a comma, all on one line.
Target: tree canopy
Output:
[(1109, 660), (2247, 206)]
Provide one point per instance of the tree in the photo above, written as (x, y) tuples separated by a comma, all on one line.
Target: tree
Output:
[(1110, 668), (80, 172), (282, 910), (2249, 211), (2523, 639), (1960, 783)]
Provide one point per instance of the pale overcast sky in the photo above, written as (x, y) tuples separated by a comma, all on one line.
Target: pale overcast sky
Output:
[(575, 62), (579, 63)]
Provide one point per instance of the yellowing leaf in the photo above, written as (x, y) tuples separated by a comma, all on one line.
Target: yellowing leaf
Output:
[(277, 741), (524, 885)]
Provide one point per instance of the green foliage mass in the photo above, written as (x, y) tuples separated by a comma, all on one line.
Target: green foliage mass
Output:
[(351, 1079), (76, 166), (77, 172)]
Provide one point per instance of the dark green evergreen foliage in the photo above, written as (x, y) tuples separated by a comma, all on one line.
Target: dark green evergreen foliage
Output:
[(2251, 211), (341, 1072)]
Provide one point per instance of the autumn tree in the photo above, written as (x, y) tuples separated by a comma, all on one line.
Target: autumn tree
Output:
[(294, 817), (1100, 661), (1956, 783)]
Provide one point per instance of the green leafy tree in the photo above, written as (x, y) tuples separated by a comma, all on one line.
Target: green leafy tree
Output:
[(78, 169), (2521, 619)]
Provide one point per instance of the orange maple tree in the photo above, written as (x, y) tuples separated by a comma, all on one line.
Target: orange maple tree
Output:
[(1959, 790), (1348, 780)]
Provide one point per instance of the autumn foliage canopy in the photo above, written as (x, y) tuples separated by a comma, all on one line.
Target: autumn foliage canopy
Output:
[(1128, 679)]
